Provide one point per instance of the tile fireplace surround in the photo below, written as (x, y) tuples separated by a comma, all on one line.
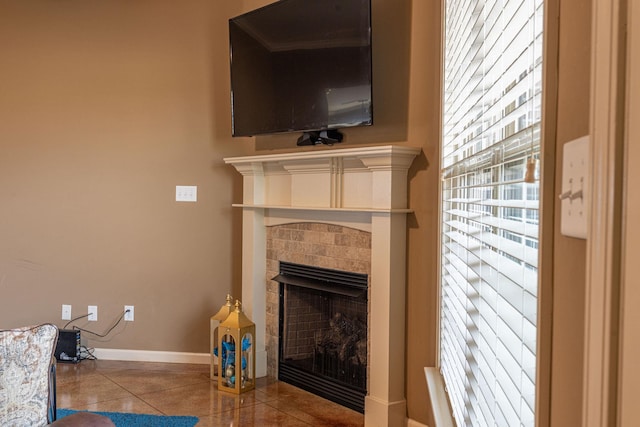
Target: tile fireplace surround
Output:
[(362, 188)]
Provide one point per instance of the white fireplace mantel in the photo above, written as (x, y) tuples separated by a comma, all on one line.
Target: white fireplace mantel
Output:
[(363, 188)]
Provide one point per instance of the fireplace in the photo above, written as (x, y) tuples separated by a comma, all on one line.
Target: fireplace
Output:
[(363, 189), (323, 330)]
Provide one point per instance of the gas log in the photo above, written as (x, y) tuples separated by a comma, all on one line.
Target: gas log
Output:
[(345, 339)]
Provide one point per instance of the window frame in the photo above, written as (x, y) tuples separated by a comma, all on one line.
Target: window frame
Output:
[(547, 162)]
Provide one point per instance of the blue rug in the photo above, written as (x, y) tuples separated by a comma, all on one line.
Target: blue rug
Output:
[(121, 419)]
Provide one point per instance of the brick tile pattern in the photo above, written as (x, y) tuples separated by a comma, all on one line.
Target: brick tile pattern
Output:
[(316, 244)]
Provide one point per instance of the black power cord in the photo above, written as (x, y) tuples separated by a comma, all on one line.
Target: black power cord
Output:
[(73, 320), (88, 353), (104, 335)]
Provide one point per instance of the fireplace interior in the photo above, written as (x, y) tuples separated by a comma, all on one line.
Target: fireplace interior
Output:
[(323, 330)]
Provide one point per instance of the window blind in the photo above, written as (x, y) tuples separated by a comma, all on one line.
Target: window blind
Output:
[(489, 252)]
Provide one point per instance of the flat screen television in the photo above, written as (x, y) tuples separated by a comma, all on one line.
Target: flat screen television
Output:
[(302, 66)]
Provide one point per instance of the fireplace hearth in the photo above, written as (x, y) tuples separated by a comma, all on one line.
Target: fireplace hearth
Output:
[(323, 325)]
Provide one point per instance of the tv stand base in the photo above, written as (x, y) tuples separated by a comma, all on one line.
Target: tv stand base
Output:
[(327, 137)]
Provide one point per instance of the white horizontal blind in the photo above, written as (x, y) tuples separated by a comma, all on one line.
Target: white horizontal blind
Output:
[(489, 253)]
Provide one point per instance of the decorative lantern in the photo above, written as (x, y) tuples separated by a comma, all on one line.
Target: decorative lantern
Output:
[(215, 321), (236, 341)]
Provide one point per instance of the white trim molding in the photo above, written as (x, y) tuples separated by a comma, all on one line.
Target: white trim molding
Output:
[(629, 370), (438, 398), (603, 238), (152, 356)]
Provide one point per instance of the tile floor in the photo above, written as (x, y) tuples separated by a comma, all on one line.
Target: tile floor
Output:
[(182, 389)]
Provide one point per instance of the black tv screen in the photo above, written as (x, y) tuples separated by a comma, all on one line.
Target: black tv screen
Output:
[(301, 65)]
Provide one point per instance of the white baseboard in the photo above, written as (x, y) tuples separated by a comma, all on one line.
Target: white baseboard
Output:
[(152, 356)]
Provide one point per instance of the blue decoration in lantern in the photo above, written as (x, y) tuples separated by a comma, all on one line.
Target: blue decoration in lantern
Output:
[(228, 352)]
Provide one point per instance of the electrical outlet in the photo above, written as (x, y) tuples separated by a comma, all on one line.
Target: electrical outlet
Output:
[(128, 313), (66, 312), (93, 313)]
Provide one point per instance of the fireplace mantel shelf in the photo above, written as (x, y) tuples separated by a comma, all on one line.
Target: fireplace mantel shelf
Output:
[(363, 179), (323, 209)]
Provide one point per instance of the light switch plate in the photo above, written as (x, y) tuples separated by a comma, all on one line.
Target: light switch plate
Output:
[(575, 192), (186, 193)]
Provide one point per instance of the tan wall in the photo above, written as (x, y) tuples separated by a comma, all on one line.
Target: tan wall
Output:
[(106, 106)]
